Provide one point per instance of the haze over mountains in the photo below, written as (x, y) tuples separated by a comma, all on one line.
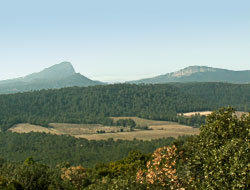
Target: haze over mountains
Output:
[(199, 74), (63, 75), (57, 76)]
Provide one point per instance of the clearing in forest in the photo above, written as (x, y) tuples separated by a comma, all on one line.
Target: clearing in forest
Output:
[(157, 129), (206, 113)]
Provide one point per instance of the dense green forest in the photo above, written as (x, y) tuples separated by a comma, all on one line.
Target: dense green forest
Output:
[(218, 158), (96, 104), (216, 95), (51, 149)]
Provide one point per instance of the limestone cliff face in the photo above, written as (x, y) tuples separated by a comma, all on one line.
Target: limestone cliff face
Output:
[(193, 69), (199, 74)]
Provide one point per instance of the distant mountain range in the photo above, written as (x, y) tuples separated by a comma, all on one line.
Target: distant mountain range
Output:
[(199, 74), (58, 76), (63, 75)]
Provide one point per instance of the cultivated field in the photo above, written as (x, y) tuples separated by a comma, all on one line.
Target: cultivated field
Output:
[(156, 133), (206, 113), (158, 129), (81, 129), (189, 114), (144, 122), (27, 128), (68, 129)]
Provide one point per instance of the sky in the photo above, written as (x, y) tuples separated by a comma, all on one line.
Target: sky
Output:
[(121, 40)]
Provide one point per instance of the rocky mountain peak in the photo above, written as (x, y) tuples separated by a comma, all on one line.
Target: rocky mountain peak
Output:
[(60, 70)]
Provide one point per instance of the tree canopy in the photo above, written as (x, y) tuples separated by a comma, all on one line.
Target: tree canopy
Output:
[(96, 104)]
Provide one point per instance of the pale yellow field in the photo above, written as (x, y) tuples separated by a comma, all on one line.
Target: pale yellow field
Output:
[(189, 114), (156, 133), (66, 128), (206, 113), (145, 122), (27, 128), (81, 129), (159, 129)]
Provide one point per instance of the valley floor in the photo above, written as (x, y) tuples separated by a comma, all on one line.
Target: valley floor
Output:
[(157, 129)]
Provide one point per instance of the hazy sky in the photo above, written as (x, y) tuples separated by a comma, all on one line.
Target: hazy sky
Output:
[(120, 40)]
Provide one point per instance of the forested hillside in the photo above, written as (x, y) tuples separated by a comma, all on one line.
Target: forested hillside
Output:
[(53, 149), (217, 158), (96, 104), (218, 94)]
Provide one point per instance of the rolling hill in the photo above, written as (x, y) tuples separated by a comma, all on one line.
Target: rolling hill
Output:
[(96, 104), (57, 76), (199, 74)]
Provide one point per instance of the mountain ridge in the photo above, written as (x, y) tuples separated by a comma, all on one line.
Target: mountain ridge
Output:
[(57, 76), (194, 69), (199, 74)]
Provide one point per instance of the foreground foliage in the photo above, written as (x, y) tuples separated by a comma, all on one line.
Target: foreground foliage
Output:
[(218, 158), (220, 154)]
